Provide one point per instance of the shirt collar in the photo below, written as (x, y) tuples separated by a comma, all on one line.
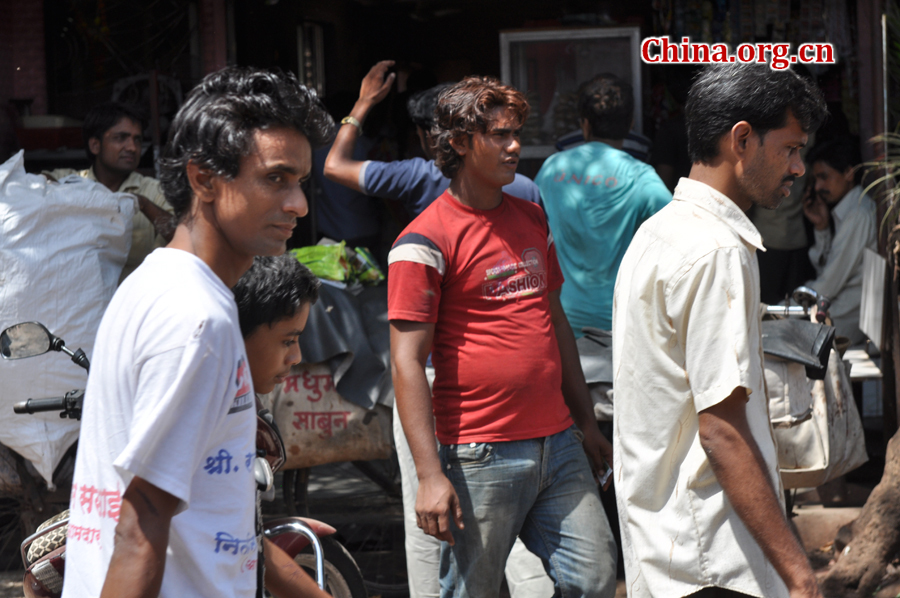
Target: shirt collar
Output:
[(133, 182), (720, 206), (847, 204)]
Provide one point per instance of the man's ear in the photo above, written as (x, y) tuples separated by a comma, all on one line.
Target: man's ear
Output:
[(740, 138), (201, 181), (94, 146), (460, 145)]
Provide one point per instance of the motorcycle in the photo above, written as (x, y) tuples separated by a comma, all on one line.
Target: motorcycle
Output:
[(43, 553)]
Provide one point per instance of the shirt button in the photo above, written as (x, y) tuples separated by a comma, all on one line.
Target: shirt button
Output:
[(472, 445)]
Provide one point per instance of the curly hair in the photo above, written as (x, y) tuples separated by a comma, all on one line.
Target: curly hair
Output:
[(464, 109), (216, 125), (273, 289), (725, 94), (607, 102)]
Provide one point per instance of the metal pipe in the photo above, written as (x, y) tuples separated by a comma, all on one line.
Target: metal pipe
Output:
[(298, 527)]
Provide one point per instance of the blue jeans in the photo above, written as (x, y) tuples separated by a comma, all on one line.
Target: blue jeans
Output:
[(541, 490)]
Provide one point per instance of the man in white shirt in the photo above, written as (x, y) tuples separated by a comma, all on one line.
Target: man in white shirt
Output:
[(837, 254), (695, 469), (163, 496)]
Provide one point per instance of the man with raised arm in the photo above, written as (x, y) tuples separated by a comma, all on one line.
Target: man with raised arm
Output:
[(163, 496), (474, 280), (415, 182), (696, 468)]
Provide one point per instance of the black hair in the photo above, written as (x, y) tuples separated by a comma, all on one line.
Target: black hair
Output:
[(273, 289), (840, 153), (607, 102), (725, 94), (103, 117), (421, 106), (215, 126)]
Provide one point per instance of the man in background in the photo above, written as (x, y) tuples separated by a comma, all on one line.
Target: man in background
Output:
[(112, 136), (596, 196), (843, 218)]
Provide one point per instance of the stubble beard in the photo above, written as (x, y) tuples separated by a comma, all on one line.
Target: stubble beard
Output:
[(753, 186)]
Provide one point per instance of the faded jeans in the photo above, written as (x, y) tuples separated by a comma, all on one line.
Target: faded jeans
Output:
[(524, 574), (541, 490)]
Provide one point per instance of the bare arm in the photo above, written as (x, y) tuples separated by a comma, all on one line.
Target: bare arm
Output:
[(340, 166), (740, 469), (575, 391), (285, 578), (160, 218), (436, 501), (142, 535)]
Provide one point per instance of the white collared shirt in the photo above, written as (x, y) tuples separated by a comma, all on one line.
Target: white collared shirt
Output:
[(838, 259), (686, 333)]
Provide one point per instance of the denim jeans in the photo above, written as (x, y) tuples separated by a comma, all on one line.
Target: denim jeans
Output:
[(541, 490)]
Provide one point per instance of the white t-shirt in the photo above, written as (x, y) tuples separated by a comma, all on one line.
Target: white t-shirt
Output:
[(686, 333), (169, 399)]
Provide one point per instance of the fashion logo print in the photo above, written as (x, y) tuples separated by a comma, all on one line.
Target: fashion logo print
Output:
[(510, 278)]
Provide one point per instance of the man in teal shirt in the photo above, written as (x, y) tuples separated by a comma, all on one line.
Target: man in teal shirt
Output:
[(596, 196)]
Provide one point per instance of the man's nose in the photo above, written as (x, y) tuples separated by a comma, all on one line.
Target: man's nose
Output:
[(296, 204), (133, 144), (799, 168), (514, 145), (294, 356)]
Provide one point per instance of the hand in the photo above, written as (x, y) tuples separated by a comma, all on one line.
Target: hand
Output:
[(599, 452), (435, 503), (375, 86), (817, 211), (808, 589)]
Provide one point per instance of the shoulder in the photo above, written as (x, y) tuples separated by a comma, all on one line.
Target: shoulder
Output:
[(524, 188), (522, 208)]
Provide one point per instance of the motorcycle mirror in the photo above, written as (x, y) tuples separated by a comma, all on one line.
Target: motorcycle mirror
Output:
[(25, 340)]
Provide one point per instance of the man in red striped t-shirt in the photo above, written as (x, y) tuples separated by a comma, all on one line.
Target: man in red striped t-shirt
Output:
[(475, 280)]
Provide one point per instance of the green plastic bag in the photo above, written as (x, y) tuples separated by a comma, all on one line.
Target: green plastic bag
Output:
[(325, 261)]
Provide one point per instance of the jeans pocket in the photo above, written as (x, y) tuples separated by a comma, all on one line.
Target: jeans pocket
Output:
[(579, 435), (465, 455)]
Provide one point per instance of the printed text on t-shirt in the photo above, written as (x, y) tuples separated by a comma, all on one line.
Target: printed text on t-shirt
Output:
[(512, 278)]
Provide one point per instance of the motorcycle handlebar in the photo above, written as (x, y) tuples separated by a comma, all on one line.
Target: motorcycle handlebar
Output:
[(39, 405)]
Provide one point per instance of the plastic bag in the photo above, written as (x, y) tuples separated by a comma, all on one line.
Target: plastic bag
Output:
[(62, 248), (325, 261)]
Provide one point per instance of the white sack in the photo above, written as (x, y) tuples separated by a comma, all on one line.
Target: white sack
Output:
[(62, 248)]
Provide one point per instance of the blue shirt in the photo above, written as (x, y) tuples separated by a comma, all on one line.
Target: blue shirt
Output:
[(595, 197), (343, 213), (418, 182)]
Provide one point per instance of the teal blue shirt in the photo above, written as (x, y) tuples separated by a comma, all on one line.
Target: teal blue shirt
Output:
[(595, 197)]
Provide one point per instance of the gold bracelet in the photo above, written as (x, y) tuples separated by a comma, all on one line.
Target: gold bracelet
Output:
[(349, 120)]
